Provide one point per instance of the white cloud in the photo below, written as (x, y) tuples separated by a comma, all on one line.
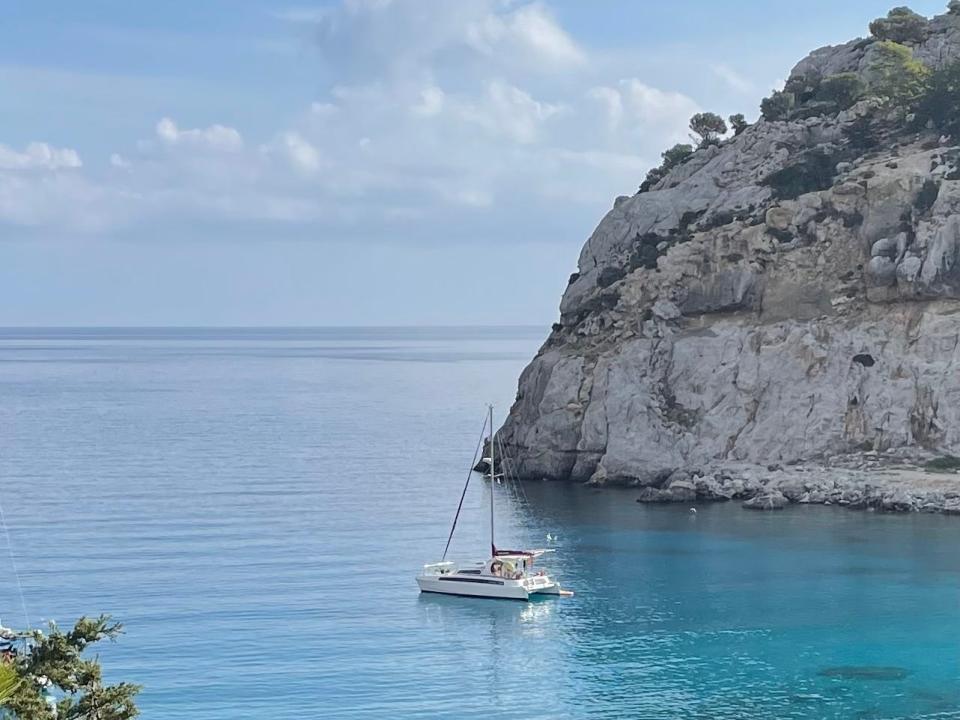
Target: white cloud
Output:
[(611, 102), (321, 109), (301, 155), (215, 137), (430, 102), (508, 111), (733, 79), (38, 155), (301, 14), (647, 104), (119, 161), (470, 198), (529, 31), (432, 109), (66, 201)]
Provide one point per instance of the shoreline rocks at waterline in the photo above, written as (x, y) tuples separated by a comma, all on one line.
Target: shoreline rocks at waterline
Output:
[(857, 482)]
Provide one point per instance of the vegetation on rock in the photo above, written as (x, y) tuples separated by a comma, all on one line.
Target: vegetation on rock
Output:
[(739, 123), (676, 155), (809, 95), (946, 463), (54, 666), (707, 127), (803, 87), (896, 76), (777, 106), (901, 25), (940, 103), (671, 158), (843, 90), (907, 90)]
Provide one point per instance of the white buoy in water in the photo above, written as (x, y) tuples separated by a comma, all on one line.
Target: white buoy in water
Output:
[(693, 511)]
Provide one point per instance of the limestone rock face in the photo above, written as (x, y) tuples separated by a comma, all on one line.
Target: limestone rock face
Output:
[(789, 294)]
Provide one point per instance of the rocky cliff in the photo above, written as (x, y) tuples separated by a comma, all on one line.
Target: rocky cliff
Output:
[(788, 296)]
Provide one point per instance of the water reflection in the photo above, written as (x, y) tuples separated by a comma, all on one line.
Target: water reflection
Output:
[(440, 611)]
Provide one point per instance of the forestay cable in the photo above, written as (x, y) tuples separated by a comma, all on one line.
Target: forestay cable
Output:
[(516, 484), (473, 464), (13, 564)]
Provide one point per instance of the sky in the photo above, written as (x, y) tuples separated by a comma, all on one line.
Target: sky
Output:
[(351, 162)]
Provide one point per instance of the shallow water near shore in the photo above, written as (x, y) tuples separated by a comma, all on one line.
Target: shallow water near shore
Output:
[(254, 504)]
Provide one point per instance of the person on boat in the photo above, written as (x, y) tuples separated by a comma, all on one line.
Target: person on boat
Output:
[(8, 653), (6, 633), (496, 568)]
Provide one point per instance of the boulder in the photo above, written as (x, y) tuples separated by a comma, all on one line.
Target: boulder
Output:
[(767, 500), (666, 310), (779, 218)]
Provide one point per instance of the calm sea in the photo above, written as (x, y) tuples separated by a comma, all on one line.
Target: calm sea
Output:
[(254, 505)]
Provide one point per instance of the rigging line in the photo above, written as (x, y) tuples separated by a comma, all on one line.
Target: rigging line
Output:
[(473, 464), (510, 472), (13, 564), (507, 473)]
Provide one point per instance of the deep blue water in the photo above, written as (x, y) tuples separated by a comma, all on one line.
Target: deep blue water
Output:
[(254, 504)]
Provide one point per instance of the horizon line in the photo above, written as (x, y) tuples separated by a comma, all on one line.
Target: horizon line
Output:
[(403, 326)]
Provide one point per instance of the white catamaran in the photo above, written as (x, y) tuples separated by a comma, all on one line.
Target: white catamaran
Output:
[(508, 574)]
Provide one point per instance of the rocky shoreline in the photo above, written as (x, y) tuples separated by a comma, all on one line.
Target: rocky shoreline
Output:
[(887, 482)]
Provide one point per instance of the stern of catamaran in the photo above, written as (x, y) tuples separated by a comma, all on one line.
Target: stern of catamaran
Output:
[(516, 563)]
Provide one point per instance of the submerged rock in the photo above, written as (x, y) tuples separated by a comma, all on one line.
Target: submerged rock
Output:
[(865, 672)]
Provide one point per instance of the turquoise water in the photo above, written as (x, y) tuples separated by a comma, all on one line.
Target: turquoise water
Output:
[(254, 506)]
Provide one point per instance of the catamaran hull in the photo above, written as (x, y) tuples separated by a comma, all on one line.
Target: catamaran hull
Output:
[(486, 587), (503, 589)]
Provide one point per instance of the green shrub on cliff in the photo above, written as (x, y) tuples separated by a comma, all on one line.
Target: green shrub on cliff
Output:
[(901, 25), (654, 175), (896, 76), (708, 127), (777, 106), (739, 123), (804, 88), (675, 155), (941, 102), (671, 158), (843, 90), (945, 463)]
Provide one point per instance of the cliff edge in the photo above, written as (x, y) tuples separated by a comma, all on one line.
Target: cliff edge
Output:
[(787, 298)]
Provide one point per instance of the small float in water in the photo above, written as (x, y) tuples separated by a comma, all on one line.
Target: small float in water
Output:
[(507, 574)]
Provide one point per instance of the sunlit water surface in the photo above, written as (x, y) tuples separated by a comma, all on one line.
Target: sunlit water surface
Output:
[(253, 505)]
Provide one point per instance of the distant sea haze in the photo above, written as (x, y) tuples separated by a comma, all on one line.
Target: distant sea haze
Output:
[(254, 503), (276, 333)]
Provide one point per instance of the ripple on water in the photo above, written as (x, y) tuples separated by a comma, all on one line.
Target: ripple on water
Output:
[(256, 515)]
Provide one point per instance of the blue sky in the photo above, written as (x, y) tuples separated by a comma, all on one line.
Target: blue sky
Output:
[(241, 162)]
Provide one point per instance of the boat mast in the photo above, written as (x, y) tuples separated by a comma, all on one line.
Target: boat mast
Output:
[(493, 481)]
